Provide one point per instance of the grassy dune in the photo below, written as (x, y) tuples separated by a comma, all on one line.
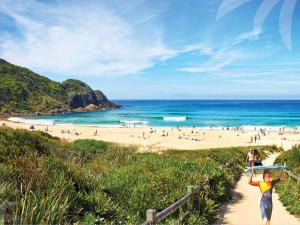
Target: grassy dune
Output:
[(289, 190), (50, 181)]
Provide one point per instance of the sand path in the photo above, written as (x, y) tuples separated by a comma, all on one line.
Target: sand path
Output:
[(244, 208)]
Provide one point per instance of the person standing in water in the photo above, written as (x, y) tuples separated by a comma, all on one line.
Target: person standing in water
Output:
[(266, 188)]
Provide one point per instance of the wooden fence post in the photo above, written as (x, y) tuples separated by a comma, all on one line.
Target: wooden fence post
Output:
[(190, 189), (151, 216), (190, 205), (186, 202)]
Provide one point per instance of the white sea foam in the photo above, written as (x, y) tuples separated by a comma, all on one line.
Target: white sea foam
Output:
[(31, 121), (133, 122), (175, 118)]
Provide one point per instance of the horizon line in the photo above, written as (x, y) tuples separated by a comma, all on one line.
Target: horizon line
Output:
[(207, 99)]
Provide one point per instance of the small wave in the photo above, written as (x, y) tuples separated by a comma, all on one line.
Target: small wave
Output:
[(31, 121), (133, 122), (175, 118)]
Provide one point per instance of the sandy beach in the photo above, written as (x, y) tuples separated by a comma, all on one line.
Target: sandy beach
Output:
[(161, 138)]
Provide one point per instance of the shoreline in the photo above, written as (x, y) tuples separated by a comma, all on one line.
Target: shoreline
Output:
[(144, 124), (155, 139)]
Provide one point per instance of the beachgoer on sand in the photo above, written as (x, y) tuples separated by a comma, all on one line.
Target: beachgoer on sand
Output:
[(266, 188)]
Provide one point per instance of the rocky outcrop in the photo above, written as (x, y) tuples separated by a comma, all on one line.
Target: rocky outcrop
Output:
[(77, 100), (91, 100)]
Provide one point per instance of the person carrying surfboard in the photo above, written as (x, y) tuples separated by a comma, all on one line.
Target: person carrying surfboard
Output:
[(266, 188)]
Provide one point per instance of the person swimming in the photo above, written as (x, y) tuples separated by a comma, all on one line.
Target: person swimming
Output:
[(266, 188)]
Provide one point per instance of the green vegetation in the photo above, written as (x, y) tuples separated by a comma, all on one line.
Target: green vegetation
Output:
[(87, 182), (25, 92), (74, 86), (289, 190)]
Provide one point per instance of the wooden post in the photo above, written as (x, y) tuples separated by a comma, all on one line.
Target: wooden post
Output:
[(151, 216), (190, 189)]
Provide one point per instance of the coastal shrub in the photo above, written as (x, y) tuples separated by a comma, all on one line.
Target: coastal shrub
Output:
[(289, 190), (35, 207), (49, 181)]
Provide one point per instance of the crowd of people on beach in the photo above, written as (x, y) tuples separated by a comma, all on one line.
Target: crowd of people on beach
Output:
[(68, 132), (261, 132), (251, 135), (194, 133)]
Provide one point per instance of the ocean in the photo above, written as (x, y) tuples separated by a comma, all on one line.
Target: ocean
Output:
[(186, 113)]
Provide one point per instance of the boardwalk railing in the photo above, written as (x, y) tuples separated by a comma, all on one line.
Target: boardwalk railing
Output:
[(292, 175), (152, 217)]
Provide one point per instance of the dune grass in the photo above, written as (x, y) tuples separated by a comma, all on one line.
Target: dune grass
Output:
[(49, 181), (289, 190)]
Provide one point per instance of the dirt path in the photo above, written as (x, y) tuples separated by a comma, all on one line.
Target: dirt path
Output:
[(244, 208)]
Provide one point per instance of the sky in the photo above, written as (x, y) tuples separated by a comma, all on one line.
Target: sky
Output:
[(171, 49)]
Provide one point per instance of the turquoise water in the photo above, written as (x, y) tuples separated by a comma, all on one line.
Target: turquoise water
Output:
[(200, 113)]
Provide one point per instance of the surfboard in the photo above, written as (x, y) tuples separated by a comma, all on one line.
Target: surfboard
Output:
[(261, 169)]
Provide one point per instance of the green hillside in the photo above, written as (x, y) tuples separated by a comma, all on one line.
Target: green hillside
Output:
[(24, 92)]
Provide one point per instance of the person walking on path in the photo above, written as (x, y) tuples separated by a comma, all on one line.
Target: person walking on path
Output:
[(250, 158), (266, 188)]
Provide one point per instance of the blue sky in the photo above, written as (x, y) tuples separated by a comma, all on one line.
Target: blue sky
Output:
[(172, 49)]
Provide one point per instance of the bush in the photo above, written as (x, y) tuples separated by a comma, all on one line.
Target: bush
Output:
[(289, 190), (88, 182)]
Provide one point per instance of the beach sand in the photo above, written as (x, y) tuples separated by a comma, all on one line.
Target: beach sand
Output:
[(185, 138)]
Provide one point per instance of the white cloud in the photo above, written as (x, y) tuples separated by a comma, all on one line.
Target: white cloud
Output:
[(248, 36), (218, 60), (78, 39), (227, 55), (204, 49)]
